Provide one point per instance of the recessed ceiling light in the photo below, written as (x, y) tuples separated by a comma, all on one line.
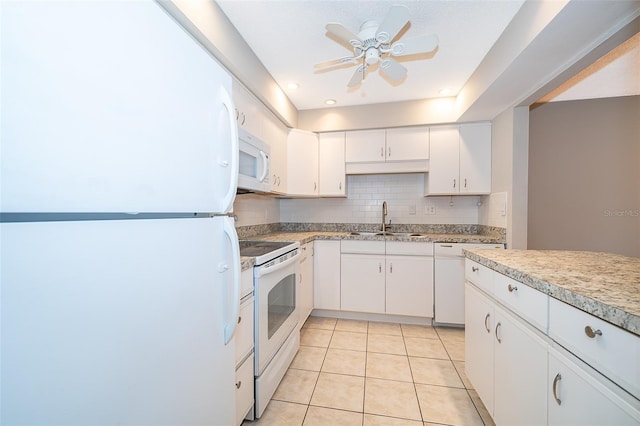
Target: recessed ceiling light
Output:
[(446, 92), (293, 86), (330, 102)]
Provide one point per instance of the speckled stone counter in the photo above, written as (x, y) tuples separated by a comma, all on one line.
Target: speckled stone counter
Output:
[(602, 284), (305, 237)]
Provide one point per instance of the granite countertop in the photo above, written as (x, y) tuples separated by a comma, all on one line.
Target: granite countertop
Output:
[(305, 237), (602, 284)]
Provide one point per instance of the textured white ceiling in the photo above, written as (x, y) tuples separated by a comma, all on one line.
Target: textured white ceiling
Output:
[(289, 38)]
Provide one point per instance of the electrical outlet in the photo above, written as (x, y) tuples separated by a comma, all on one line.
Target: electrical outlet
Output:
[(430, 209)]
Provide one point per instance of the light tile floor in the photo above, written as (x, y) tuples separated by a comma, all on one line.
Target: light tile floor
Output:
[(367, 373)]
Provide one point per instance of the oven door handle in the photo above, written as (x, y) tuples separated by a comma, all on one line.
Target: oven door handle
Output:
[(264, 271)]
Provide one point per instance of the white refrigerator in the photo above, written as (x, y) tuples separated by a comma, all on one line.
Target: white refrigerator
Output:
[(119, 269)]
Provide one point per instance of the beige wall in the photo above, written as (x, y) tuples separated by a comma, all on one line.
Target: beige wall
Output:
[(584, 176)]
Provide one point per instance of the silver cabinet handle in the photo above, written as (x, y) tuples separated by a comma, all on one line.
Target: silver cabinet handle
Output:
[(556, 380), (498, 337), (340, 186), (238, 384), (486, 320), (474, 269), (512, 288), (244, 117), (591, 333), (454, 183), (391, 268), (239, 319), (315, 186), (389, 152), (380, 267), (381, 151), (465, 182)]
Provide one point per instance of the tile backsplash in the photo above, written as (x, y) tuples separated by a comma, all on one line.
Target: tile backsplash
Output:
[(363, 204), (365, 195)]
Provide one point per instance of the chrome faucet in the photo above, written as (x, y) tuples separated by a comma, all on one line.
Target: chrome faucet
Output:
[(383, 228)]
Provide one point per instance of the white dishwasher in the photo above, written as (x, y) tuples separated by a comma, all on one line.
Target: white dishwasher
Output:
[(449, 280)]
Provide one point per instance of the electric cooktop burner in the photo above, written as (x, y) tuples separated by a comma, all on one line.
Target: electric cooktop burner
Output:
[(259, 248)]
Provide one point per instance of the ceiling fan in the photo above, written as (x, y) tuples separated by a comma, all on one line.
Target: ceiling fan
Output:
[(373, 45)]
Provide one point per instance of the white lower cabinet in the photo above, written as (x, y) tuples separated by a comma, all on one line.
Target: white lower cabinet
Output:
[(478, 343), (580, 396), (363, 283), (326, 275), (520, 359), (409, 285), (387, 277), (304, 293), (244, 349)]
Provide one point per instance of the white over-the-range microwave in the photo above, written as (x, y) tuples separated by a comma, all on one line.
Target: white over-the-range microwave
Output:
[(253, 168)]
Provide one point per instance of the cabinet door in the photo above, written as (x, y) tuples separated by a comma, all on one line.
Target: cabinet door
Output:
[(365, 146), (479, 323), (408, 143), (409, 285), (326, 275), (363, 283), (304, 297), (331, 169), (302, 163), (244, 330), (520, 359), (275, 135), (444, 154), (579, 396), (475, 158), (248, 110)]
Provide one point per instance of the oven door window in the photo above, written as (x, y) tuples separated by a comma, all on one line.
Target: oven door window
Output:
[(281, 303)]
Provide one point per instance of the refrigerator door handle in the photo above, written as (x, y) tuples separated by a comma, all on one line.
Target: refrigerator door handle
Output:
[(230, 196), (231, 323)]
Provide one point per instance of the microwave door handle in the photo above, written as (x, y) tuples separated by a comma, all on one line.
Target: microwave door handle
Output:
[(227, 201), (265, 168)]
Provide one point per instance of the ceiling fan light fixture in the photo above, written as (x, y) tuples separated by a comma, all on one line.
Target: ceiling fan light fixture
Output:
[(372, 56)]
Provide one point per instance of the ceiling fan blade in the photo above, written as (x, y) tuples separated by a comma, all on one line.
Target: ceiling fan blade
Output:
[(396, 19), (358, 76), (393, 69), (410, 46), (338, 61), (342, 33)]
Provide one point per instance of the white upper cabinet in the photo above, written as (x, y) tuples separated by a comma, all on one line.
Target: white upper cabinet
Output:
[(248, 110), (331, 171), (275, 135), (365, 146), (401, 150), (460, 160), (408, 144), (302, 163), (475, 158)]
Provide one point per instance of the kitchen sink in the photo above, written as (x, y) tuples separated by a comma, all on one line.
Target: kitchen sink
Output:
[(390, 234)]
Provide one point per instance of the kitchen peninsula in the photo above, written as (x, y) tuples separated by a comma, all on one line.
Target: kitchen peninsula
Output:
[(574, 316)]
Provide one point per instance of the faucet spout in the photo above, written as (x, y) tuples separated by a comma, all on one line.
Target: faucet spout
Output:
[(383, 228)]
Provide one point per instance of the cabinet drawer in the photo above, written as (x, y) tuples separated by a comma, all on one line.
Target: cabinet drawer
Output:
[(409, 248), (612, 351), (362, 247), (244, 389), (244, 331), (479, 275), (526, 302)]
